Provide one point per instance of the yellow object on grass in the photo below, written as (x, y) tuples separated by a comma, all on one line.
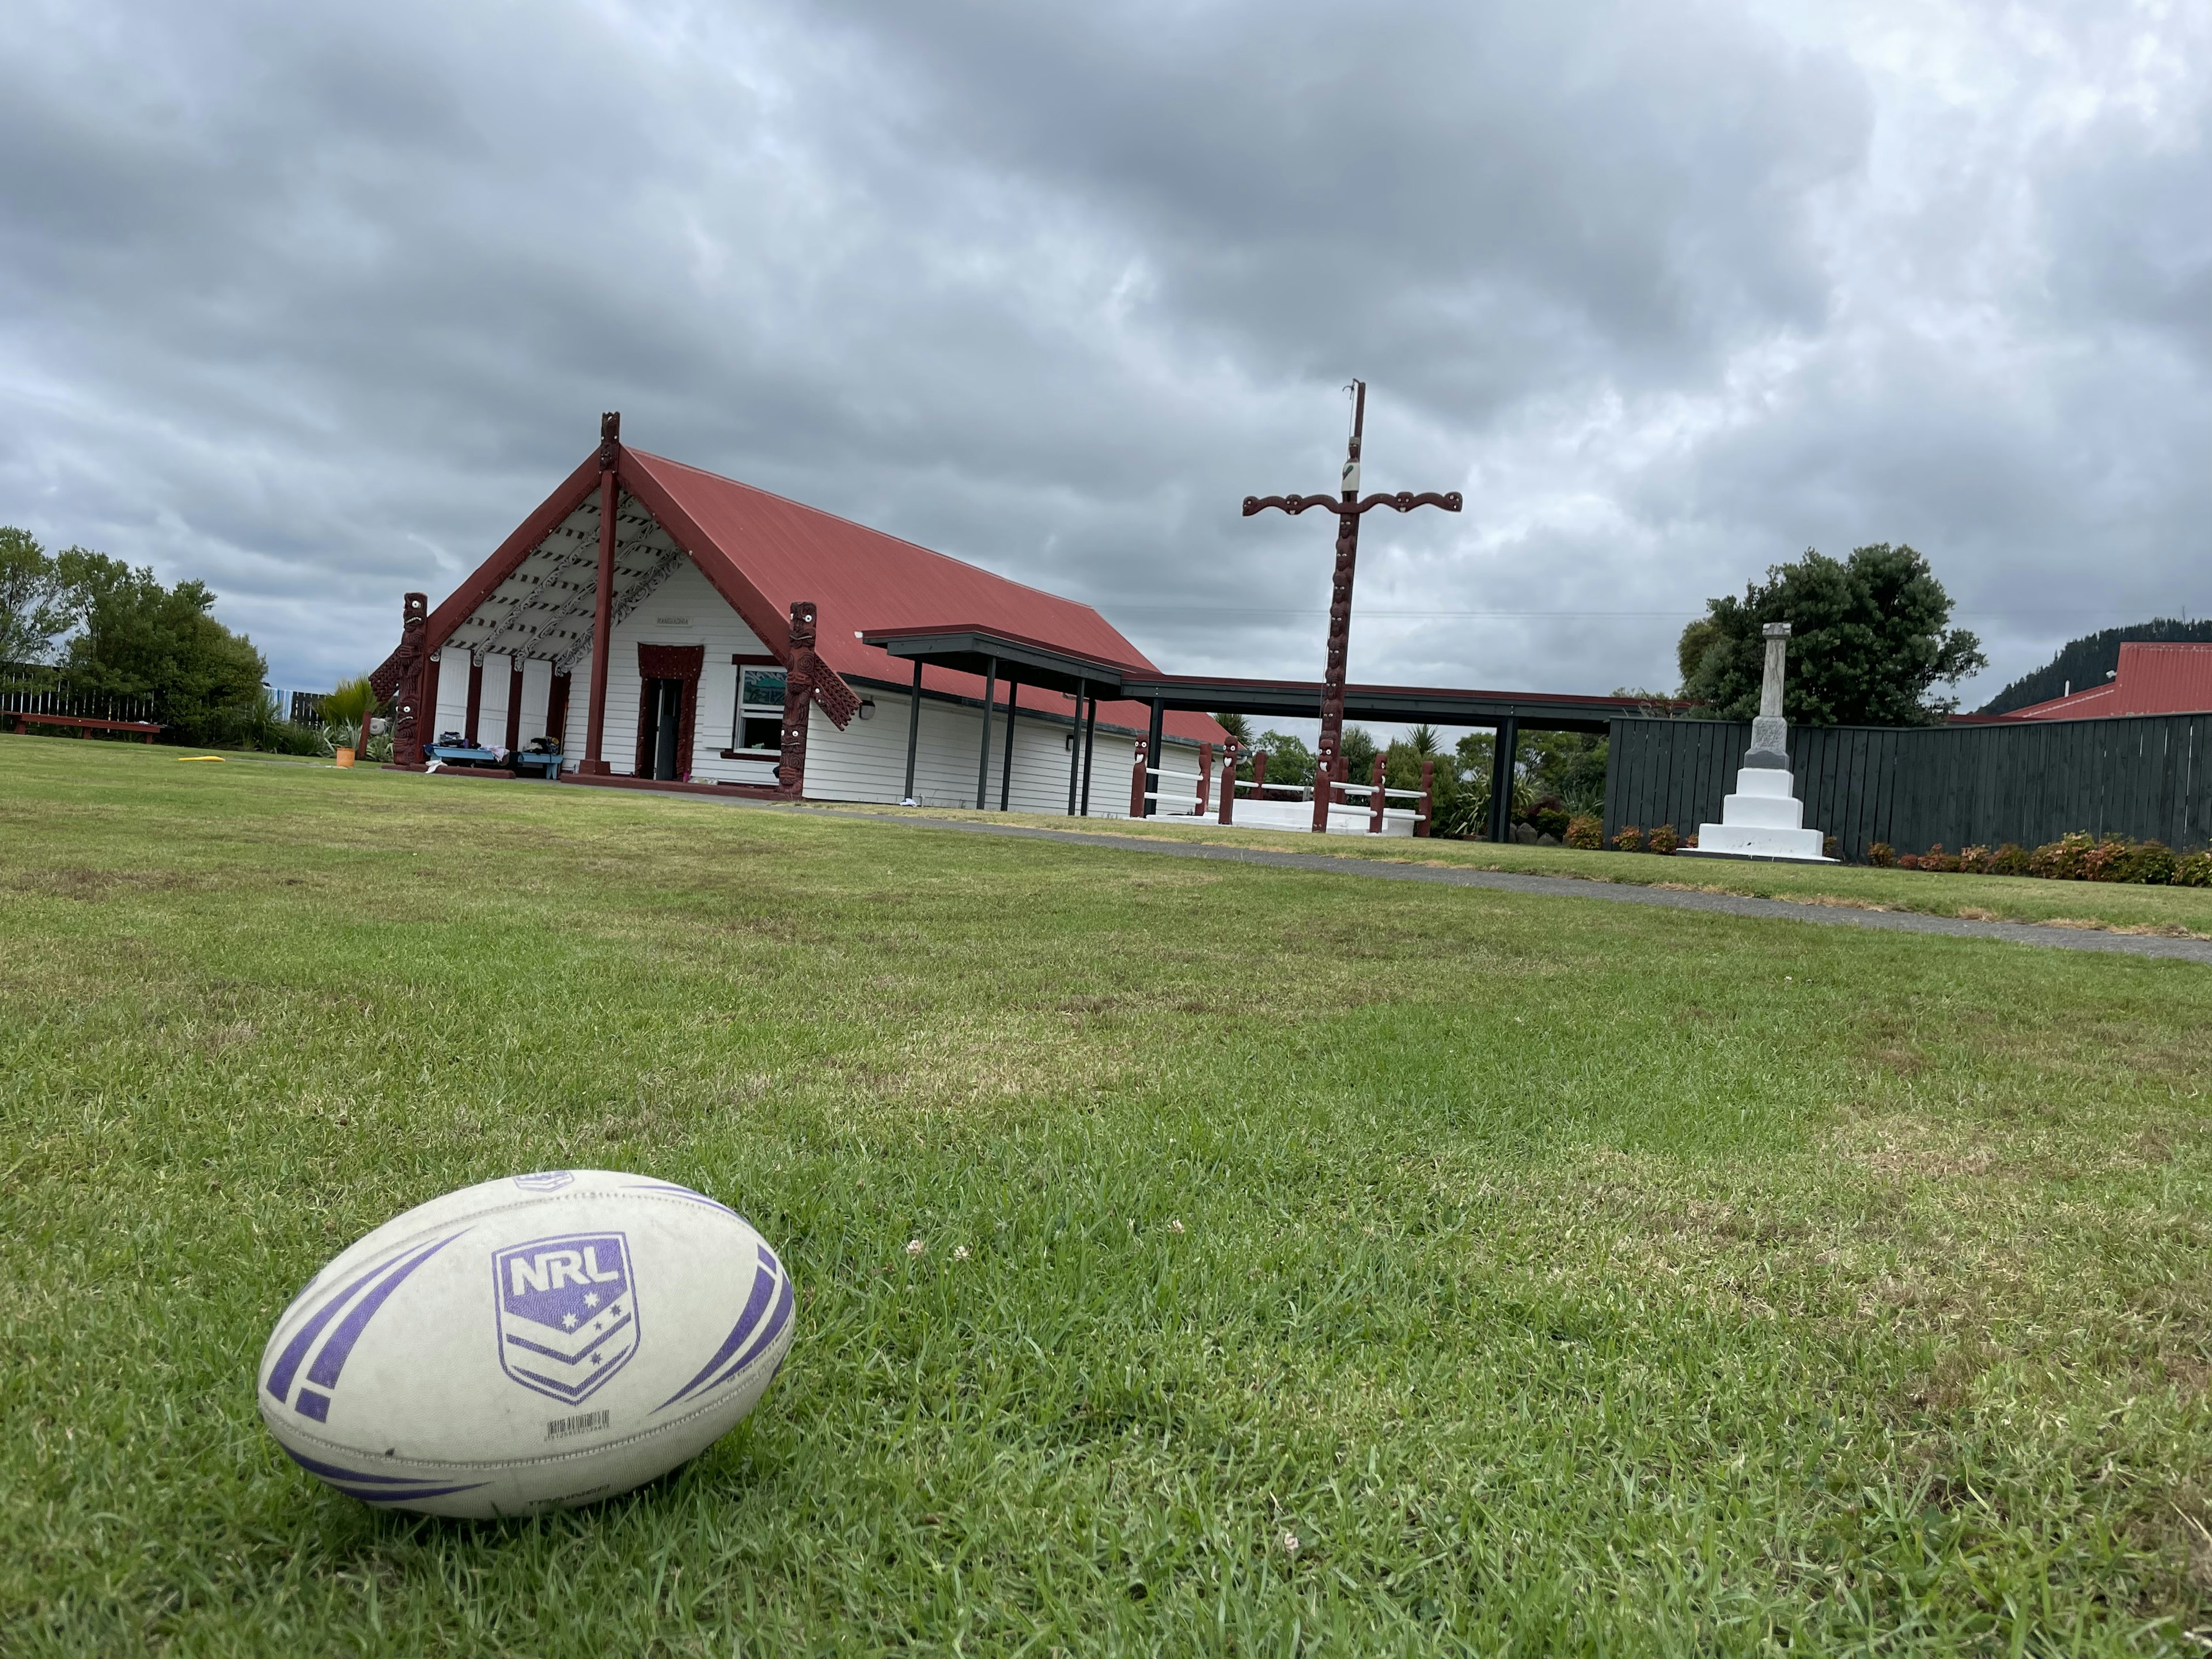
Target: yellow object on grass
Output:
[(218, 759)]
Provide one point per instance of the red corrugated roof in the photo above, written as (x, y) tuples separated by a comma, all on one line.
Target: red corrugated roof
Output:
[(2155, 678), (862, 579)]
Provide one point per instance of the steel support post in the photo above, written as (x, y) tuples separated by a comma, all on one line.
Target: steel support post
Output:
[(1158, 760), (1075, 746), (1090, 741), (1006, 767), (1506, 746), (913, 732), (983, 751)]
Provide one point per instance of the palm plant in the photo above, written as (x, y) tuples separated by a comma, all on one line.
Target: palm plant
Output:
[(347, 711)]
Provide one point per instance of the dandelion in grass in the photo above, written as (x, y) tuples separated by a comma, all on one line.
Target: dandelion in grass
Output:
[(914, 1248), (959, 1252), (1175, 1227), (1291, 1545)]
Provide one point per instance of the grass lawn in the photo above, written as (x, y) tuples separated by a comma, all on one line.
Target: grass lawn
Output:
[(1562, 1277), (2177, 911)]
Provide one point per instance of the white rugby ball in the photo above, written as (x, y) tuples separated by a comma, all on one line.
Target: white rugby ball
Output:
[(525, 1344)]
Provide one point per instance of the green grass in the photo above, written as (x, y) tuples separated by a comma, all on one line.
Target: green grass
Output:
[(1567, 1277), (2182, 911)]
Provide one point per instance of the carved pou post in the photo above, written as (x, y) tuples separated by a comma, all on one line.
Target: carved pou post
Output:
[(798, 693), (408, 692)]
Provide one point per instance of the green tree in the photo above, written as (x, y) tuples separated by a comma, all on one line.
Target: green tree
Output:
[(1690, 650), (34, 602), (139, 639), (1359, 752), (1869, 642), (1238, 728), (1289, 761)]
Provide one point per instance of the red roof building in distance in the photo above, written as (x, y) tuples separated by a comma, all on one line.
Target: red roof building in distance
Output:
[(734, 618), (2154, 677)]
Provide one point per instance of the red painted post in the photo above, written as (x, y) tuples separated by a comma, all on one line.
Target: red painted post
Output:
[(428, 719), (1259, 776), (514, 703), (476, 699), (1205, 775), (1229, 784), (557, 710), (603, 613), (1428, 798), (1375, 799), (1137, 783)]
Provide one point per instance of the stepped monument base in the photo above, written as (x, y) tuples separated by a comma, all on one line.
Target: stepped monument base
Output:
[(1764, 819)]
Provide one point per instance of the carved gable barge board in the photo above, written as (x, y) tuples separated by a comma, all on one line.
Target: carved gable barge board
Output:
[(550, 514)]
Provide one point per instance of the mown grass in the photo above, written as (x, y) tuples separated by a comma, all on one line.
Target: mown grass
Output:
[(2181, 911), (1563, 1277)]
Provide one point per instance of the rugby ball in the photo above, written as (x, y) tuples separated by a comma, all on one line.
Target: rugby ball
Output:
[(527, 1344)]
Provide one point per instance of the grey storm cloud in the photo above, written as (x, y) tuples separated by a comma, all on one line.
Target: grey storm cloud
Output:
[(316, 301)]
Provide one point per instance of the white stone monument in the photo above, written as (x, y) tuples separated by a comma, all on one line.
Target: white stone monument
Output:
[(1764, 819)]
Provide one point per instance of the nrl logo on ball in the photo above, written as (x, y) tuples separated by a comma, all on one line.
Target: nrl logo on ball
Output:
[(568, 1321)]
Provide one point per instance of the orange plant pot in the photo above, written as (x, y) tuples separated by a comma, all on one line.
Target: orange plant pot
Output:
[(345, 758)]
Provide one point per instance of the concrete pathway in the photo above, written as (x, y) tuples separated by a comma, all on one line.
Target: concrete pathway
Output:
[(1829, 915)]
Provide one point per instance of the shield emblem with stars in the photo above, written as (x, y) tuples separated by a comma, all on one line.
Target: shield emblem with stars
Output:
[(568, 1312)]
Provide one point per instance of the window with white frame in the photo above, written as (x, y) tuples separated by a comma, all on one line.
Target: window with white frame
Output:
[(757, 726)]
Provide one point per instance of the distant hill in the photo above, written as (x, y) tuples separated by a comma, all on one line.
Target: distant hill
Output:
[(2086, 661)]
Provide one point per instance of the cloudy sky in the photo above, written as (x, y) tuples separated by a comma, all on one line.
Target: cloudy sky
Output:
[(316, 301)]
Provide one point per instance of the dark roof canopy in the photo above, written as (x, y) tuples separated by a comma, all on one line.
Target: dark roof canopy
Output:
[(971, 649)]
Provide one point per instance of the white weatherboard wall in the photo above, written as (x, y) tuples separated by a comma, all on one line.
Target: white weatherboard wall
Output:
[(685, 610), (867, 760)]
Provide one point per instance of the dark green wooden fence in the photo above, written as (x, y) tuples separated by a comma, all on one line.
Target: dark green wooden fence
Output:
[(2147, 777)]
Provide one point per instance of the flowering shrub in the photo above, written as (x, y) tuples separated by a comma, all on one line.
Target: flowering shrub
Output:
[(1630, 840), (1663, 838), (1881, 855), (1831, 846), (1585, 832), (2060, 859), (2077, 857)]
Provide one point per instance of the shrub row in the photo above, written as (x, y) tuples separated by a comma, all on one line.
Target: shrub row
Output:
[(2077, 857), (1662, 840)]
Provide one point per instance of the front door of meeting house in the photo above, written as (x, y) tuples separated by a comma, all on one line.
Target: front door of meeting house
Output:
[(661, 717)]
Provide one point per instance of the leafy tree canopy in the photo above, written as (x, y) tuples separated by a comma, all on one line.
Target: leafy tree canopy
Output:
[(1289, 761), (1869, 642), (35, 602), (2087, 661), (139, 639)]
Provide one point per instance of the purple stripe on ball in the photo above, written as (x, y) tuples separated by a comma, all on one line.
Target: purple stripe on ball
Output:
[(764, 1282), (331, 1360)]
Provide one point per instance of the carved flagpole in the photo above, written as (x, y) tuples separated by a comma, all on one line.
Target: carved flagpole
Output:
[(1348, 507)]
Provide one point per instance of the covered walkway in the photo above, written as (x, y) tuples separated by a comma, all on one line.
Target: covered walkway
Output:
[(976, 650)]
